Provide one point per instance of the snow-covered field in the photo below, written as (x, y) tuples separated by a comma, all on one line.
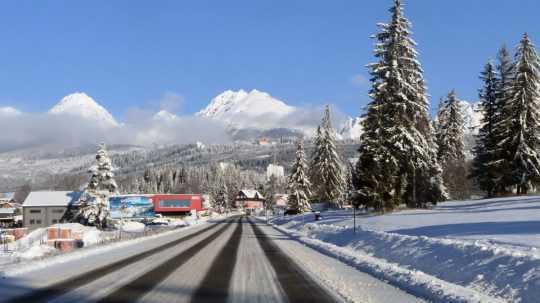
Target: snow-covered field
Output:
[(479, 250)]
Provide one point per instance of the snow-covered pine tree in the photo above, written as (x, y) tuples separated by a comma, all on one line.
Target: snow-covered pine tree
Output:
[(94, 206), (298, 184), (501, 157), (327, 170), (220, 196), (397, 148), (451, 153), (522, 136), (315, 176), (484, 170)]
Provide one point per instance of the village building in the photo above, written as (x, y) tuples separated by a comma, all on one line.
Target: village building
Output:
[(10, 213), (249, 200), (45, 208)]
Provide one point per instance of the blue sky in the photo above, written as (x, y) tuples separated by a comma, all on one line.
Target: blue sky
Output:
[(130, 53)]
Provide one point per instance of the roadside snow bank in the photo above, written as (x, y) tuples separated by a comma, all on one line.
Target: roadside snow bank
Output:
[(477, 271), (87, 252), (131, 227)]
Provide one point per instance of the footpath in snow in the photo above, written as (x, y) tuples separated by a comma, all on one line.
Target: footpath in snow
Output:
[(466, 251)]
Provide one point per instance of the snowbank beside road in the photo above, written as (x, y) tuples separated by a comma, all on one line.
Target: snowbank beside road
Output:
[(33, 248), (490, 266), (30, 265)]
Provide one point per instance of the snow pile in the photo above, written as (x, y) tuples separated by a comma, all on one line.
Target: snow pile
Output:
[(178, 222), (34, 245), (35, 251), (131, 227), (487, 247), (130, 245)]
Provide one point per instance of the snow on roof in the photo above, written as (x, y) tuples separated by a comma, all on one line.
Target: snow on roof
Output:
[(252, 194), (7, 196), (7, 211), (51, 198)]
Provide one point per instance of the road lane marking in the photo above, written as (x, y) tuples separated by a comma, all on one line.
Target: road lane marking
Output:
[(137, 288), (295, 281), (215, 285)]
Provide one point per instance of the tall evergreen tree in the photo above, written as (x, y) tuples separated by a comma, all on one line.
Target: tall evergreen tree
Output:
[(397, 148), (506, 69), (298, 184), (327, 172), (451, 155), (484, 170), (220, 196), (94, 205), (522, 120)]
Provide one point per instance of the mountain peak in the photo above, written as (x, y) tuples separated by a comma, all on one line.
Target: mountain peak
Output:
[(81, 105), (243, 109)]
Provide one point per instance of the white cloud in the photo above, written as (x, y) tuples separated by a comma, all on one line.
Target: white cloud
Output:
[(9, 111), (29, 130), (143, 126)]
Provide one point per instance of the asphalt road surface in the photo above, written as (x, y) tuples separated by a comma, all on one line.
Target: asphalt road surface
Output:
[(236, 260)]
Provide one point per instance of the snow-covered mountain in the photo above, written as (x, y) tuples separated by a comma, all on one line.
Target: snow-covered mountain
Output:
[(81, 105), (351, 129), (472, 116), (241, 109)]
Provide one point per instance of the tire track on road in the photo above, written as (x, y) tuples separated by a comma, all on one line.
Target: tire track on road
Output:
[(295, 281), (140, 286), (215, 285), (62, 287)]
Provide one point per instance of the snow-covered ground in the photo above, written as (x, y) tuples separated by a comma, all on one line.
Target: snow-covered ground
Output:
[(458, 251)]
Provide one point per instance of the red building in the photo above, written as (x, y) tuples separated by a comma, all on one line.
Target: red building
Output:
[(177, 204)]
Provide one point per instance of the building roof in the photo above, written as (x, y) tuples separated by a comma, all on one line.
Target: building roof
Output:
[(7, 211), (5, 204), (252, 194), (51, 198), (7, 196)]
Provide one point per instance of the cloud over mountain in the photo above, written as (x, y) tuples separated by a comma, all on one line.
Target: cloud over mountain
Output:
[(78, 120)]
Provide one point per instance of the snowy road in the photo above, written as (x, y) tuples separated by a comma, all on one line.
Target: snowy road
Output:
[(238, 260)]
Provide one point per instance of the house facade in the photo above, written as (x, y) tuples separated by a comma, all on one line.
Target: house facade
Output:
[(45, 208), (250, 200)]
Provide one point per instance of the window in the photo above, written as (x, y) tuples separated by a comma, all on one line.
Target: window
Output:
[(175, 203), (35, 211), (38, 221), (54, 221), (58, 211), (32, 221)]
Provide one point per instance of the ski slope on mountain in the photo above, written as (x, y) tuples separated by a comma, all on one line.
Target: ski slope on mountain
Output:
[(485, 246)]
